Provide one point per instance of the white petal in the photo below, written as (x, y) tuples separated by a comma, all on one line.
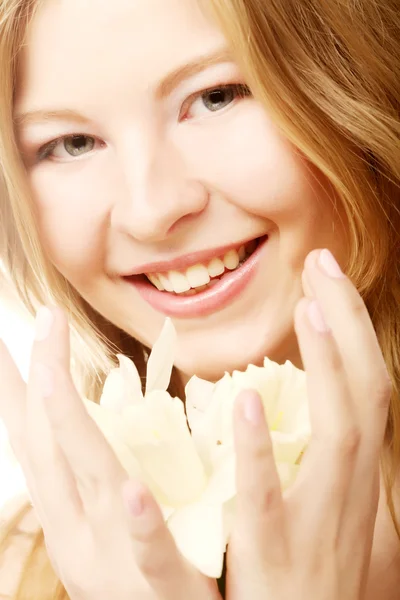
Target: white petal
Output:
[(293, 400), (159, 437), (266, 381), (216, 422), (109, 423), (287, 474), (107, 419), (199, 532), (122, 386), (287, 448), (222, 482), (131, 377), (198, 394), (113, 395), (161, 359)]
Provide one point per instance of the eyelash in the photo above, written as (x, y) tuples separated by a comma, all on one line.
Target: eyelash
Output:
[(239, 90)]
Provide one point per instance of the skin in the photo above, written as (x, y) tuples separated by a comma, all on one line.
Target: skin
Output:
[(156, 186)]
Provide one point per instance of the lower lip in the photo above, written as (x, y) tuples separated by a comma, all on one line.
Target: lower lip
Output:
[(203, 303)]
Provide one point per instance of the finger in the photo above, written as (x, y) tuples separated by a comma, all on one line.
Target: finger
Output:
[(329, 462), (91, 460), (14, 413), (50, 477), (258, 530), (351, 325), (353, 463), (169, 575)]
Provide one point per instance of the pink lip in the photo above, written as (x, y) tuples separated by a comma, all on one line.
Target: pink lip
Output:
[(203, 303), (182, 262)]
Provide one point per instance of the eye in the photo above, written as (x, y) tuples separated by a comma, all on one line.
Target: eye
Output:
[(70, 146), (218, 98), (78, 144), (214, 99)]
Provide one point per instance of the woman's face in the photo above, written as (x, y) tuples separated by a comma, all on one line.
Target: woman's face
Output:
[(166, 165)]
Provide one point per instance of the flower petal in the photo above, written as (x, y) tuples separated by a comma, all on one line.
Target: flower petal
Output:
[(198, 394), (109, 423), (122, 386), (161, 359), (159, 437), (222, 481), (199, 532), (288, 447)]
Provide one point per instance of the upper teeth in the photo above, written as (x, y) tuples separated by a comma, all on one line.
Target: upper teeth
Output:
[(200, 274)]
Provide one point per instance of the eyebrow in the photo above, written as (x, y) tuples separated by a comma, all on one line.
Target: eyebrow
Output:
[(165, 87)]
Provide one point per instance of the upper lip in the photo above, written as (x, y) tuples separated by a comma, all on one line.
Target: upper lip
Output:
[(187, 260)]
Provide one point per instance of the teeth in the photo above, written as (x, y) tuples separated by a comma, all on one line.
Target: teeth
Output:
[(165, 282), (216, 267), (179, 282), (156, 282), (198, 275), (231, 260)]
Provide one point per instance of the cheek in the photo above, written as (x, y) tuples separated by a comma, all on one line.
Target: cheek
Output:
[(256, 169), (72, 220), (243, 155)]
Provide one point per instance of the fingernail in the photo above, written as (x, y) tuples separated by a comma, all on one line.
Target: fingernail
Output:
[(43, 323), (253, 410), (134, 494), (45, 378), (330, 265), (316, 317)]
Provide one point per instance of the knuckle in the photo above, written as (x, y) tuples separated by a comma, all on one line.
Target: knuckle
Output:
[(151, 533), (263, 452), (347, 443), (267, 499), (335, 361), (262, 494), (382, 390), (155, 565), (357, 305)]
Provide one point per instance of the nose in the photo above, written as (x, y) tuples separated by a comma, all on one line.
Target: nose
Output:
[(159, 195)]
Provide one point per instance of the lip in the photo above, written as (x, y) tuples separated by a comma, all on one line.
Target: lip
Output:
[(203, 303), (183, 262)]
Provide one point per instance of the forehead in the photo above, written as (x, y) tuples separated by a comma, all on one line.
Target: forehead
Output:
[(102, 45)]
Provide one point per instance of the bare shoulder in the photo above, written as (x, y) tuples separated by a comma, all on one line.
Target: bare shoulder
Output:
[(18, 520)]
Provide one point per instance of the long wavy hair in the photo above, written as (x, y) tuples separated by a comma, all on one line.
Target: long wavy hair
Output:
[(328, 73)]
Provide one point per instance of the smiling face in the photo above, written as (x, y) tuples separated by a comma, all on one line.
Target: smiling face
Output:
[(165, 163)]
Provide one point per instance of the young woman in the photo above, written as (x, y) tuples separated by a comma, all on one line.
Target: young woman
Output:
[(148, 147)]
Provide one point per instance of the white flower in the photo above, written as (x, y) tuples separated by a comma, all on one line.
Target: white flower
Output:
[(192, 474), (151, 438), (283, 392)]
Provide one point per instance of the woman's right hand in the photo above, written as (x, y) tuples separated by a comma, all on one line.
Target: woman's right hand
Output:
[(314, 542), (98, 548)]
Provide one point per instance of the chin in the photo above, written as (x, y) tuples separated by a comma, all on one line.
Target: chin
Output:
[(213, 364)]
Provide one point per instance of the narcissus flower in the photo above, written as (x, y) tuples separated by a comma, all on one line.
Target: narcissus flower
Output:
[(191, 472)]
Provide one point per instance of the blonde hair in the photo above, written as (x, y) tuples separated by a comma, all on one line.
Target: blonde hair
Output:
[(329, 75)]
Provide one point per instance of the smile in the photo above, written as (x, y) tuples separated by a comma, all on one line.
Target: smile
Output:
[(203, 287)]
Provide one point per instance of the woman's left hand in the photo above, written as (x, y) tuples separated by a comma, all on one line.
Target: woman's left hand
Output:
[(314, 542)]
